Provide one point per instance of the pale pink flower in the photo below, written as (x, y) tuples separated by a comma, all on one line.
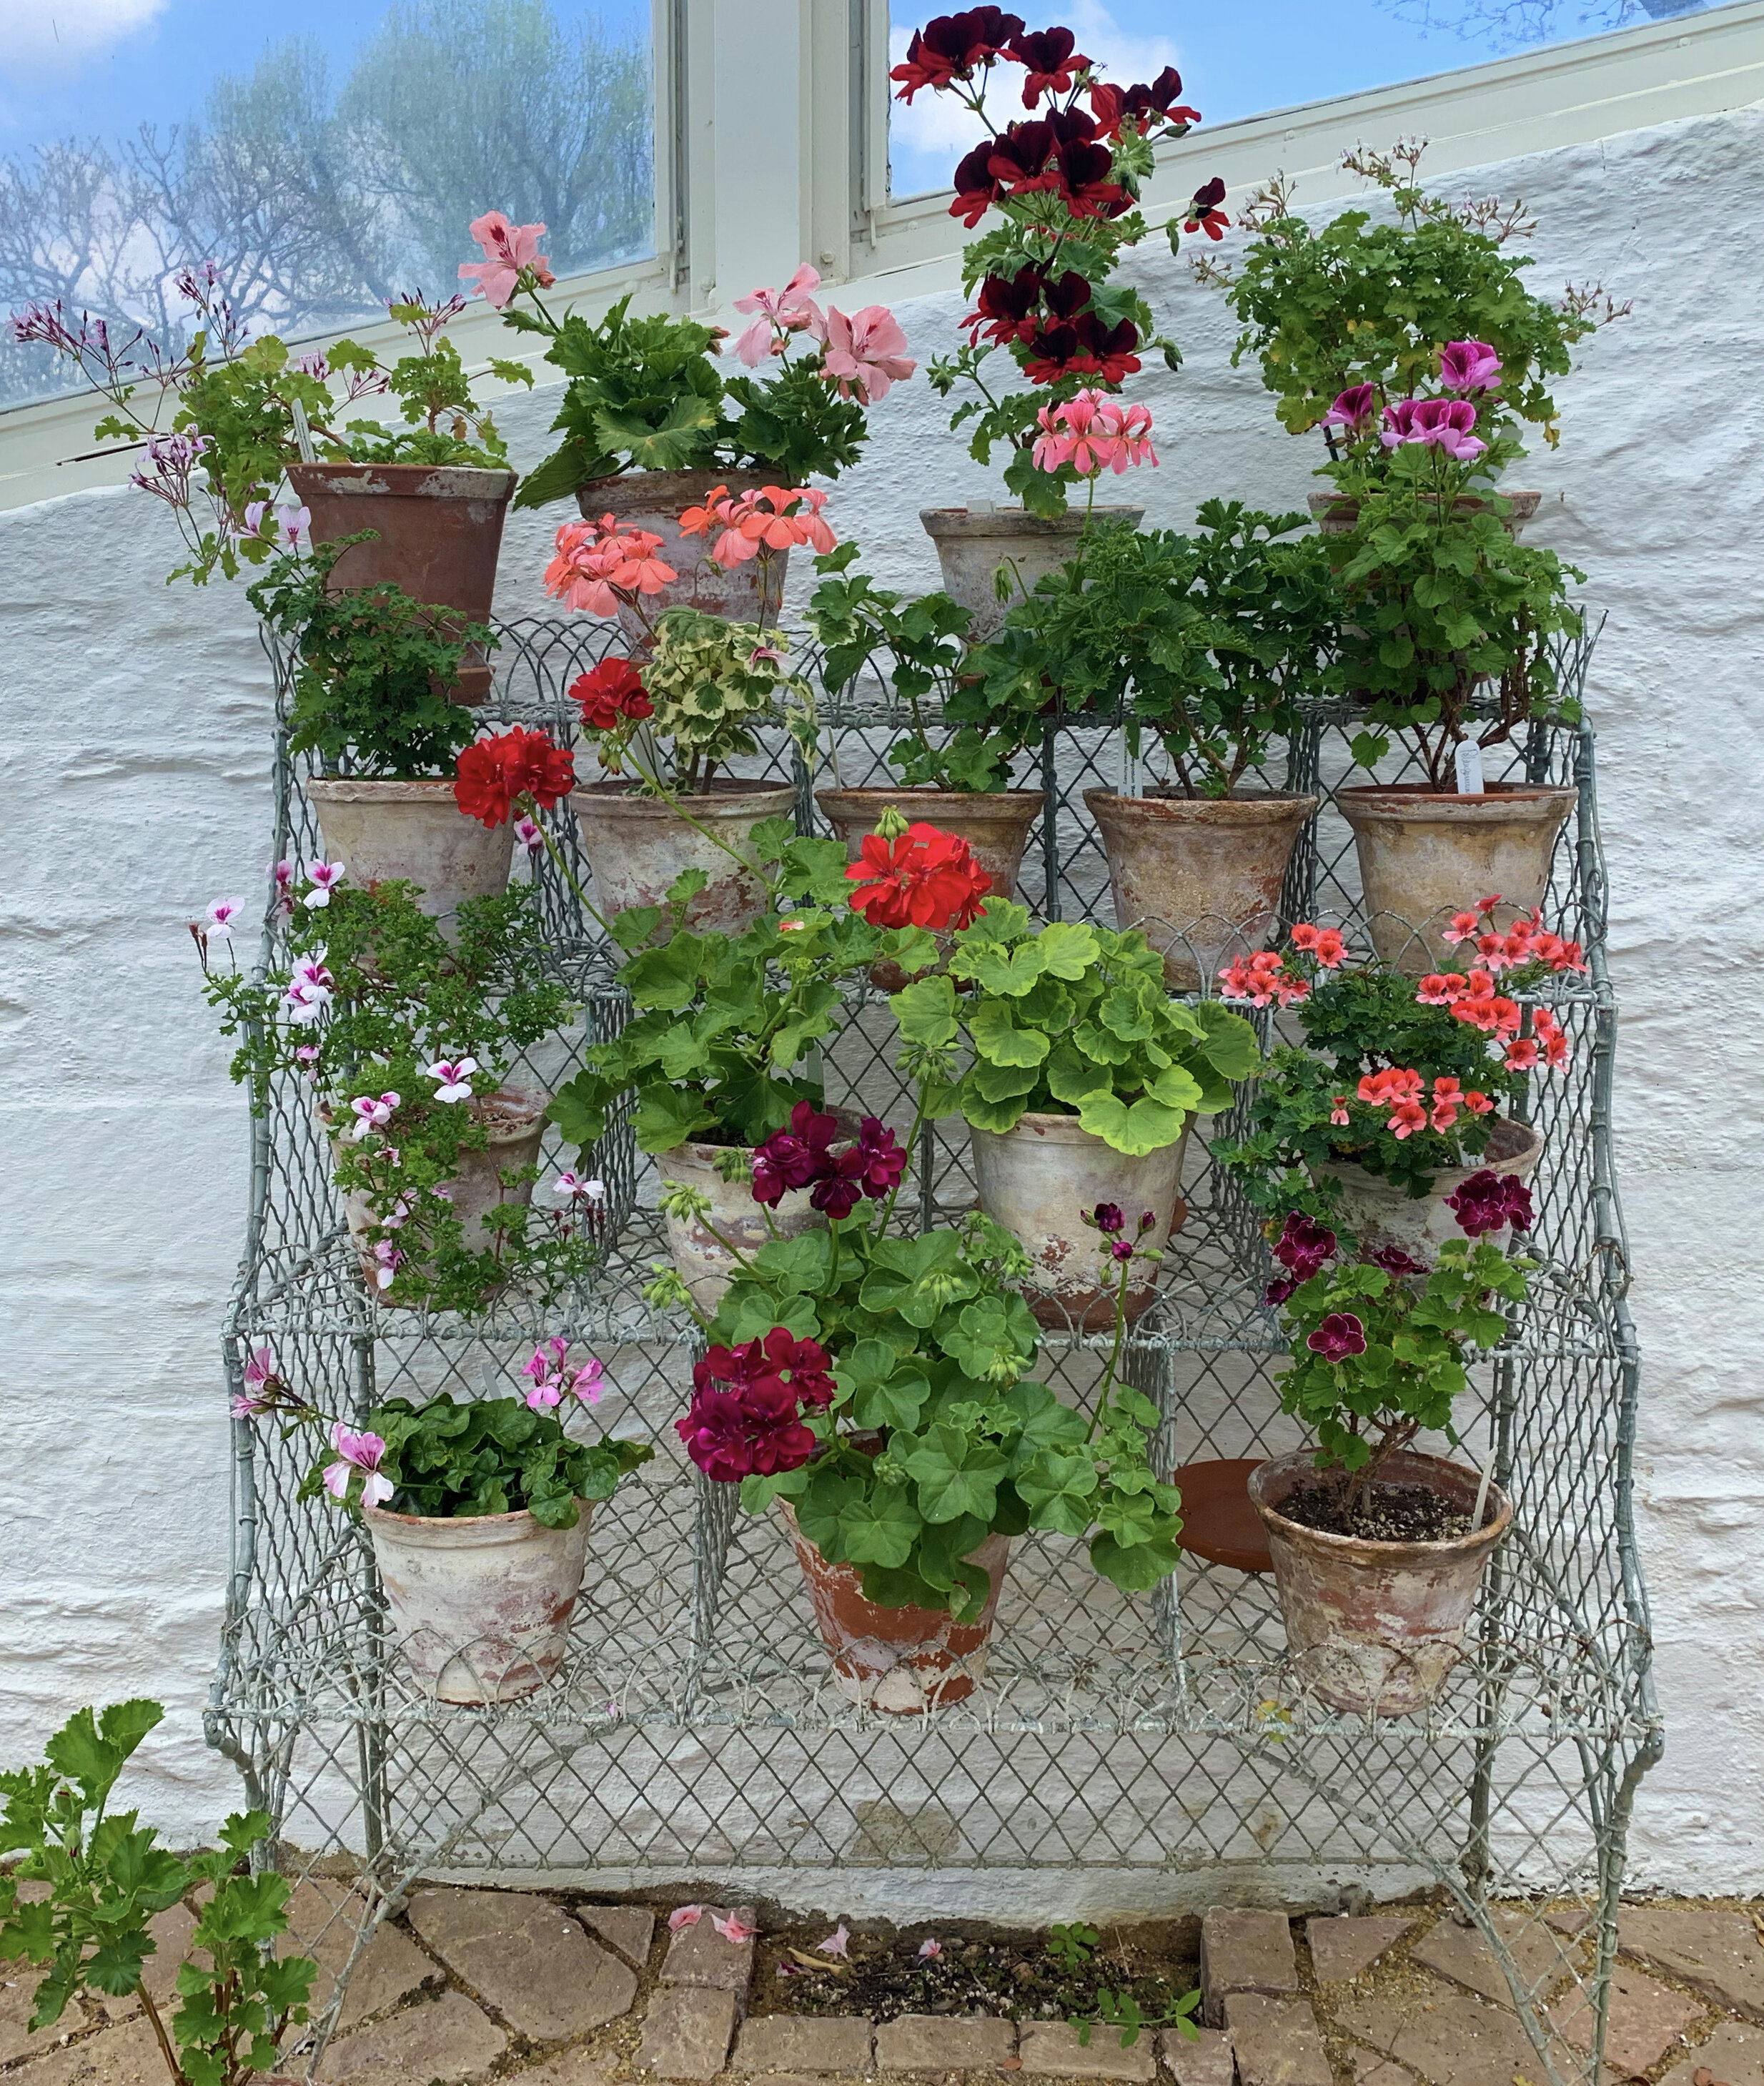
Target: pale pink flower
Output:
[(219, 923), (259, 1371), (508, 250), (283, 874), (734, 1928), (929, 1948), (684, 1915), (356, 1452), (528, 835), (325, 877), (584, 1383), (781, 312), (867, 352), (388, 1260), (455, 1076), (372, 1112), (837, 1943)]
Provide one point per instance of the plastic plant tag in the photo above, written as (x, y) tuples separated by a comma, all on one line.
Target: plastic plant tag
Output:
[(1469, 757)]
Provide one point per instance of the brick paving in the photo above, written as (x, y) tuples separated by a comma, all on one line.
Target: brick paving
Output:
[(487, 1987)]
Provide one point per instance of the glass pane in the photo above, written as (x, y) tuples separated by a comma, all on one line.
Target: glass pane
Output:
[(323, 171), (1257, 55)]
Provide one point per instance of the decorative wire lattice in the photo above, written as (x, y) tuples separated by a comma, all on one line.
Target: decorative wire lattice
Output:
[(695, 1728)]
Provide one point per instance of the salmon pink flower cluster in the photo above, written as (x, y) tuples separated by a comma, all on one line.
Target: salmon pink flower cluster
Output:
[(802, 1157), (750, 525), (746, 1418), (778, 315), (600, 566), (1527, 941), (1093, 433), (611, 696), (1403, 1093), (923, 877), (1262, 979), (510, 771)]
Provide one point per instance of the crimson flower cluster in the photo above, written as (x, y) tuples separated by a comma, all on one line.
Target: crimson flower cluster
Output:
[(1111, 1220), (923, 878), (496, 776), (1490, 1202), (802, 1157), (611, 695), (745, 1417)]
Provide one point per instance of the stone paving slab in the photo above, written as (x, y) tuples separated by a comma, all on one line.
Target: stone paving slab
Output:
[(1275, 2042), (1713, 1948), (125, 2056), (629, 1928), (698, 1955), (1450, 2038), (1734, 2055), (804, 2043), (1243, 1952), (1370, 2071), (1053, 2048), (1207, 2062), (1341, 1948), (447, 2038), (941, 2042), (1542, 1957), (170, 1931), (1646, 2018), (527, 1958), (322, 1919), (18, 2002), (687, 2031), (572, 2067)]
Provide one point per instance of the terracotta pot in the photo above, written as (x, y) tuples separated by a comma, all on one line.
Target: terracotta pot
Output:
[(412, 832), (480, 1604), (517, 1127), (1376, 1628), (904, 1661), (974, 543), (654, 500), (1035, 1178), (637, 845), (1200, 877), (441, 534), (703, 1262), (1425, 855), (1379, 1213), (1335, 514)]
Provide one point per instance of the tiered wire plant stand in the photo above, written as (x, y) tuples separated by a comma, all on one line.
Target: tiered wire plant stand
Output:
[(1162, 1743)]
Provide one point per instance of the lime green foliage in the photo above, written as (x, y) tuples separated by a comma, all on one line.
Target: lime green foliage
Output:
[(106, 1877), (372, 667), (488, 1455), (1073, 1946), (442, 425), (1213, 639), (711, 681), (1121, 2011), (1069, 1019)]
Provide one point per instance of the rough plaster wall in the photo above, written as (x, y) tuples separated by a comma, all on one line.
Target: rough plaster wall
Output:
[(132, 788)]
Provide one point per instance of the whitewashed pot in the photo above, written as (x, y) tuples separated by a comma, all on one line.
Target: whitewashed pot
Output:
[(704, 1264), (1035, 1178), (480, 1604), (1382, 1213), (1375, 1629), (975, 545), (412, 833), (1425, 855), (637, 845)]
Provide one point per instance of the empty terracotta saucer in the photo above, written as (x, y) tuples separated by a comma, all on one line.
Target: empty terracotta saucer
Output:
[(1218, 1523)]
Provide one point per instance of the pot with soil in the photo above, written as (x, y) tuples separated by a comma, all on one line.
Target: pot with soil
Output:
[(1035, 1178), (1381, 1213), (1200, 876), (1376, 1601), (414, 832), (637, 844), (440, 535), (1337, 513), (975, 543), (703, 1262), (653, 501), (480, 1604), (1425, 855), (902, 1661)]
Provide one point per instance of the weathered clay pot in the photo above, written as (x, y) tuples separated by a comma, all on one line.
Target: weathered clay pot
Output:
[(412, 832), (1335, 514), (1200, 876), (654, 500), (1380, 1213), (440, 535), (1035, 1179), (516, 1122), (637, 845), (1376, 1628), (1425, 855), (906, 1660), (480, 1604), (703, 1262), (973, 544)]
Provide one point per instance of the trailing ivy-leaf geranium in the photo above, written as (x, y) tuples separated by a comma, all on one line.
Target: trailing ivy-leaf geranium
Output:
[(877, 1384), (1402, 1077), (1064, 183), (1069, 1019)]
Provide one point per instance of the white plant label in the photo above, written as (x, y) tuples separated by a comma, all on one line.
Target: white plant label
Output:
[(1468, 756)]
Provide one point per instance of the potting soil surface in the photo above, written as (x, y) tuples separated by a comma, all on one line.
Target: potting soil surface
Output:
[(1391, 1513)]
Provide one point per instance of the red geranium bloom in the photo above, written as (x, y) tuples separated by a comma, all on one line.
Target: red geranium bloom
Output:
[(948, 48), (610, 695), (1005, 308), (796, 1157), (1018, 155), (977, 188), (731, 1435), (1052, 61), (867, 1170), (1204, 211), (1083, 346), (1116, 107), (924, 879), (492, 776)]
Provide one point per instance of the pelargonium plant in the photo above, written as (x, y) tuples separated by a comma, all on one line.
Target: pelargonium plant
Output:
[(877, 1384), (645, 394), (1063, 183), (404, 1037), (1380, 1343), (1404, 1077)]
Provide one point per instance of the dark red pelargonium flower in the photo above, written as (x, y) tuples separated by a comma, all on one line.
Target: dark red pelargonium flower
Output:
[(926, 877), (867, 1170), (1108, 1218), (1394, 1261), (1204, 211), (949, 46), (1114, 108), (796, 1157), (1005, 308), (1304, 1246), (977, 188), (758, 1431), (1490, 1202), (1340, 1336), (1082, 346), (493, 776), (611, 694), (1053, 60)]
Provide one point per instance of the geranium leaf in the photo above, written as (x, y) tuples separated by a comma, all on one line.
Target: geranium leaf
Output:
[(998, 1039)]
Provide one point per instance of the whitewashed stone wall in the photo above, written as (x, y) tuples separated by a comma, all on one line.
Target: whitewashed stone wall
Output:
[(134, 730)]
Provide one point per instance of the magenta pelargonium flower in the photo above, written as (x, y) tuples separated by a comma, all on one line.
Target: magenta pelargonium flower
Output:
[(371, 1111), (356, 1452), (796, 1157), (1490, 1202), (1468, 365), (1340, 1336), (1353, 408), (745, 1418), (1446, 424), (553, 1381), (261, 1384), (1303, 1245), (325, 876)]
